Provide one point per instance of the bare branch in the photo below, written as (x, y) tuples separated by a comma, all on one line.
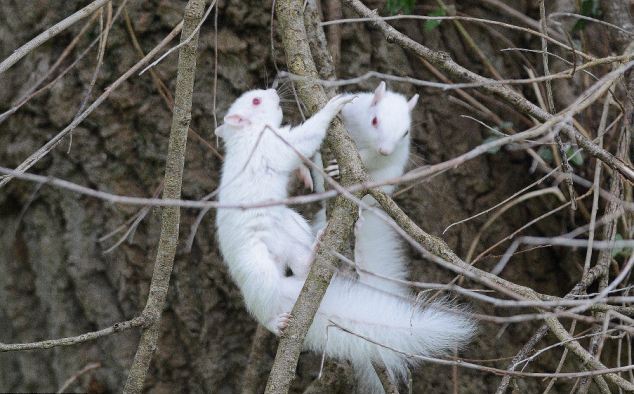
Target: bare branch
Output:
[(76, 376), (170, 217), (50, 33), (68, 341), (344, 213), (388, 385)]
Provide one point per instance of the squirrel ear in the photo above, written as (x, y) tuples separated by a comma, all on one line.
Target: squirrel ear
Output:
[(236, 120), (412, 102), (233, 120), (379, 92)]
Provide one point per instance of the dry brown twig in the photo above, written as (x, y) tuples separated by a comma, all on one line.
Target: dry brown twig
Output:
[(103, 42), (76, 376), (366, 18), (567, 168), (388, 385), (252, 378), (33, 90), (50, 33)]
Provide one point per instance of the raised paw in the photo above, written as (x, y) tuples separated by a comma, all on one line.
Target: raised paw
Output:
[(332, 169), (336, 103)]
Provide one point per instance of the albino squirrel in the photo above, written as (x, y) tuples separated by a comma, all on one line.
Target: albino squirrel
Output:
[(379, 124), (259, 244)]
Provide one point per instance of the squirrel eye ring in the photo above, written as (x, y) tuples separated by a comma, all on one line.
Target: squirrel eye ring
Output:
[(257, 101), (375, 121)]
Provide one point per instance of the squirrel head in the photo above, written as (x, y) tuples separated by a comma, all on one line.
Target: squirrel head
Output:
[(257, 108), (390, 118)]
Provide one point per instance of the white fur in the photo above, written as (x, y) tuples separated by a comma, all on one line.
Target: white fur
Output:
[(384, 150), (394, 322), (258, 244)]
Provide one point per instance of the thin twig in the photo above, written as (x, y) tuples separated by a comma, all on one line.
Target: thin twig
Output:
[(53, 142), (68, 341), (194, 33), (567, 168), (76, 376), (459, 18), (384, 376), (50, 33)]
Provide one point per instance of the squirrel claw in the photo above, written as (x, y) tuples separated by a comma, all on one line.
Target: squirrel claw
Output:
[(339, 101), (332, 169), (280, 323)]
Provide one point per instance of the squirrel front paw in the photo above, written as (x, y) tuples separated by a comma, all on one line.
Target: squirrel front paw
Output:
[(278, 324), (336, 103)]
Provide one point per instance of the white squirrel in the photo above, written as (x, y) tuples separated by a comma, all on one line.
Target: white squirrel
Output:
[(259, 243), (379, 124)]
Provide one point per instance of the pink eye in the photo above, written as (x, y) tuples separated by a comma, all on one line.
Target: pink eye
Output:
[(375, 121), (257, 101)]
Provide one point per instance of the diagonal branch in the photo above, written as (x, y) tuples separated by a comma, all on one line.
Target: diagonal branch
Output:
[(50, 33)]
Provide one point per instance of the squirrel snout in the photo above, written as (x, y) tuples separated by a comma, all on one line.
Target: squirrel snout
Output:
[(385, 151)]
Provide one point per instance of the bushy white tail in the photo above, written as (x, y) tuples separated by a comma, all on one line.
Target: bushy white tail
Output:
[(383, 328)]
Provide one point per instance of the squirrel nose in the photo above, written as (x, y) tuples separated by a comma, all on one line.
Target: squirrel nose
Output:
[(385, 151)]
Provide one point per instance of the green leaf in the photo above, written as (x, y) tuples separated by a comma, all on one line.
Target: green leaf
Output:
[(577, 159), (545, 153), (396, 6), (432, 24), (589, 8)]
